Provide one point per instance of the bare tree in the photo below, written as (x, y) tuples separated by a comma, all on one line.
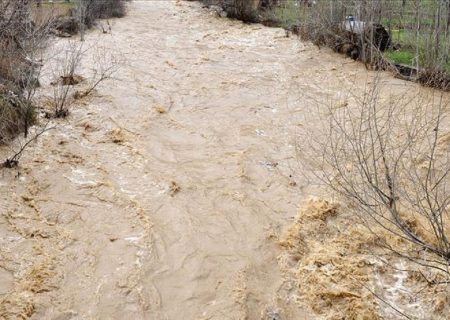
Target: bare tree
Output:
[(389, 157)]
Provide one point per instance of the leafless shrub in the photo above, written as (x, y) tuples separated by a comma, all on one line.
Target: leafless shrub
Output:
[(350, 27), (105, 65), (16, 116), (22, 41), (423, 31), (19, 145), (67, 26), (245, 10), (390, 159), (91, 10), (64, 74), (85, 14), (419, 33)]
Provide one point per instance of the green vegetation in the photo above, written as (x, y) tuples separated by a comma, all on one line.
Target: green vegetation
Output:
[(399, 36), (289, 14), (400, 57)]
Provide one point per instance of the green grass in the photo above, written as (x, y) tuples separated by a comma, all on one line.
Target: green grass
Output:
[(415, 47), (400, 57), (289, 14), (398, 36), (407, 39)]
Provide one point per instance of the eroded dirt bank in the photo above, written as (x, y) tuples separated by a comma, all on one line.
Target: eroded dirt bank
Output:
[(160, 197)]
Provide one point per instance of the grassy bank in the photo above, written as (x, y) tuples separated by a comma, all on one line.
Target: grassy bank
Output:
[(419, 31)]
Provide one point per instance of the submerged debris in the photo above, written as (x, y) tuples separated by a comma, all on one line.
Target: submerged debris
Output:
[(70, 80), (117, 136), (16, 306), (160, 109), (342, 272), (174, 188), (329, 265)]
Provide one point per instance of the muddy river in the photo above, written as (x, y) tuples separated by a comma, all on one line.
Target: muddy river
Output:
[(160, 196)]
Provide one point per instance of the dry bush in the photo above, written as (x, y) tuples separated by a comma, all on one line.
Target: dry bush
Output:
[(91, 10), (434, 78), (422, 29), (322, 23), (67, 25), (65, 74), (22, 41), (85, 13), (105, 65), (65, 77), (245, 10), (415, 33), (326, 24), (19, 145), (15, 117), (24, 35)]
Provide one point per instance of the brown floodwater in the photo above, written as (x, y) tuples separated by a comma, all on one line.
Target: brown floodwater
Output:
[(161, 195)]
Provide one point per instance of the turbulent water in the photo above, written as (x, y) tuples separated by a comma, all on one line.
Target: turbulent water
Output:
[(160, 196)]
